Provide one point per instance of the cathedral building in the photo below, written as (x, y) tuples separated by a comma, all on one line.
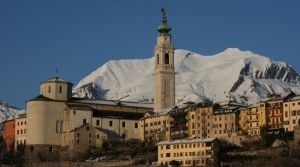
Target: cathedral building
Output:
[(58, 124)]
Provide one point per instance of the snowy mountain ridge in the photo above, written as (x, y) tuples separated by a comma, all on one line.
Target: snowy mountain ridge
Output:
[(237, 75), (8, 112)]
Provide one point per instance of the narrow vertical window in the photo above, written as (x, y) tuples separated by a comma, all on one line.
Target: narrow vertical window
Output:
[(51, 149), (49, 89), (167, 58), (98, 122), (60, 89), (157, 59), (136, 125), (110, 123), (57, 126), (61, 126), (123, 124), (84, 121)]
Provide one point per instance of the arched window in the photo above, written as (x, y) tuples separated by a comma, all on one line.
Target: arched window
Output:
[(167, 58), (157, 59)]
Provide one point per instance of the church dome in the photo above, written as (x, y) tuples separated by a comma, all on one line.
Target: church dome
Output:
[(164, 28)]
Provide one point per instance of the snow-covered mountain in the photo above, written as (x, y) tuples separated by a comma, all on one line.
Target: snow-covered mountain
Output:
[(230, 75), (8, 112)]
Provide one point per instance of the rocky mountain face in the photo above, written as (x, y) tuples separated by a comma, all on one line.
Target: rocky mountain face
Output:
[(237, 75)]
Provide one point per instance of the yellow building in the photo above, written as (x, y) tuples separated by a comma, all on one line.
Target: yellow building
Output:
[(195, 152), (226, 120), (253, 121), (200, 120), (291, 109), (243, 120), (154, 125)]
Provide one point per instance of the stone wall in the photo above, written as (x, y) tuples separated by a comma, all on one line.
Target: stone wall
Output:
[(81, 164)]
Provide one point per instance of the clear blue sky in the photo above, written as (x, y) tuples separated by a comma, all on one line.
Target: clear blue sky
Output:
[(78, 36)]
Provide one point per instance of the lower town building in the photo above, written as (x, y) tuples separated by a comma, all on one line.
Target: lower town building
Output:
[(84, 139), (200, 118), (253, 121), (178, 123), (195, 152), (9, 133), (291, 116), (20, 131), (153, 125)]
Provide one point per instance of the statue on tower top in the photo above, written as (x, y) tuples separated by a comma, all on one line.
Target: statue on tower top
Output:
[(163, 11), (164, 28)]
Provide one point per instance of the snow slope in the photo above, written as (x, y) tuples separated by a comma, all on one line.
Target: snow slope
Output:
[(232, 74)]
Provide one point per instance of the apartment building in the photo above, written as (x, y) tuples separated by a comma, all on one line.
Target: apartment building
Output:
[(291, 109), (195, 152), (200, 118), (253, 122), (20, 131), (154, 125), (226, 120), (178, 126), (9, 133)]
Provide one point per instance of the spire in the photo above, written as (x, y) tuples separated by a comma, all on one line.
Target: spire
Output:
[(164, 28)]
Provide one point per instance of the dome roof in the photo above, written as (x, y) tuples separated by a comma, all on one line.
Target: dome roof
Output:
[(164, 28)]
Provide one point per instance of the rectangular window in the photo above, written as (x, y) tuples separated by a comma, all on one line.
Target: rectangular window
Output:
[(136, 125), (167, 154), (110, 123), (123, 124), (84, 121), (98, 122)]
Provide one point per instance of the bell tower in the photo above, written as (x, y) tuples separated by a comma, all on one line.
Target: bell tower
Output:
[(164, 72)]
